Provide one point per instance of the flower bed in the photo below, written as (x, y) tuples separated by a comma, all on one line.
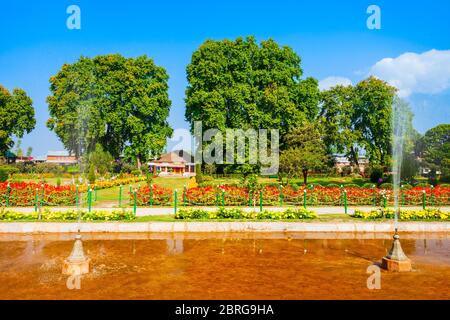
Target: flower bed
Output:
[(70, 215), (23, 194), (155, 196), (99, 185), (427, 214), (316, 196), (235, 213)]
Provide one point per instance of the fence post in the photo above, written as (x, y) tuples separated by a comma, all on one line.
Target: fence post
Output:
[(151, 195), (260, 201), (36, 200), (43, 195), (184, 196), (120, 195), (281, 195), (384, 201), (90, 200), (432, 196), (223, 198), (345, 201), (250, 198), (217, 199), (403, 195), (77, 195), (135, 202), (131, 193), (175, 202), (304, 198), (424, 199), (8, 195), (374, 196), (95, 193)]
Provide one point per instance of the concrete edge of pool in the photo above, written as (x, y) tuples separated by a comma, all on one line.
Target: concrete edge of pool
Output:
[(132, 227)]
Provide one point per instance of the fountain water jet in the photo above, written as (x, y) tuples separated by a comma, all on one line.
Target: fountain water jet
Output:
[(77, 263), (396, 260)]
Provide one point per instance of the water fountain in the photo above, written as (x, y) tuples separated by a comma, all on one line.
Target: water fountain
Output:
[(396, 260), (77, 263)]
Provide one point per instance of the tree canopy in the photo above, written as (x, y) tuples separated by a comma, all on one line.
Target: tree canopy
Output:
[(436, 148), (243, 84), (16, 116), (117, 102), (360, 118), (373, 108), (305, 151)]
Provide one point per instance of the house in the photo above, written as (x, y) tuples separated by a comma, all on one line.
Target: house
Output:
[(24, 159), (175, 163), (61, 157), (341, 161)]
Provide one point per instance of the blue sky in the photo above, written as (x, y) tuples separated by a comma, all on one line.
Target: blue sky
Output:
[(330, 36)]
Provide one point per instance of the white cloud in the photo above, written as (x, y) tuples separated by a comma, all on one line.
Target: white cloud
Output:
[(427, 73), (330, 82)]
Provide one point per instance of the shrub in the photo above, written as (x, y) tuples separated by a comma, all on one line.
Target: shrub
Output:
[(48, 168), (3, 175), (423, 185), (406, 186), (91, 175), (70, 215), (333, 185), (236, 213), (346, 170), (75, 169), (188, 214), (351, 185), (387, 185), (427, 214), (198, 173), (207, 178), (376, 173), (369, 185)]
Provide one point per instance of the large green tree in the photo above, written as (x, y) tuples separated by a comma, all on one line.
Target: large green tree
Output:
[(436, 149), (373, 104), (337, 115), (305, 151), (242, 84), (117, 102), (358, 118), (16, 116)]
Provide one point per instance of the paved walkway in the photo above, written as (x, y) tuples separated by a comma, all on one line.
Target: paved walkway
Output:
[(167, 211)]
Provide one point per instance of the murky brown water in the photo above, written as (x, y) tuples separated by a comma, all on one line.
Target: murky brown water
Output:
[(216, 266)]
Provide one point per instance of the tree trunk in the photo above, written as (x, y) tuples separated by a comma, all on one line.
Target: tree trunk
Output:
[(305, 176), (138, 160), (354, 156)]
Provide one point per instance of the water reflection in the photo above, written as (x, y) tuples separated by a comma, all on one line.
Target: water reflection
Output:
[(174, 246), (222, 266)]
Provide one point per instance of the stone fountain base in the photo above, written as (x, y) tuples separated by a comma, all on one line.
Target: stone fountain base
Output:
[(75, 268), (77, 263), (396, 260), (396, 265)]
